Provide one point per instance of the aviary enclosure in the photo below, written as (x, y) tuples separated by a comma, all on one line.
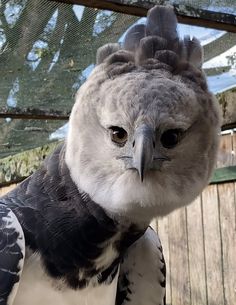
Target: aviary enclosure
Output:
[(47, 50)]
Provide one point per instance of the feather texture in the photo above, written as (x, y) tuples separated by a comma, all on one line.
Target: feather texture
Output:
[(158, 39), (143, 273), (12, 252)]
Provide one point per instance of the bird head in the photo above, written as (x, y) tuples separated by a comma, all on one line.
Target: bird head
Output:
[(144, 130)]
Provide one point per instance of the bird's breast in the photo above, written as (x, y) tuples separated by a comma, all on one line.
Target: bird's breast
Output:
[(37, 288)]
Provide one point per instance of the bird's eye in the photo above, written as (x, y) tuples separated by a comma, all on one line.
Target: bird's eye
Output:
[(170, 138), (118, 135)]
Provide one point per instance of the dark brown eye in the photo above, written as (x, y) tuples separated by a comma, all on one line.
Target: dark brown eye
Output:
[(118, 135), (170, 138)]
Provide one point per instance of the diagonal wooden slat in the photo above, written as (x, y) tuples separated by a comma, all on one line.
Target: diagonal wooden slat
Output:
[(185, 14)]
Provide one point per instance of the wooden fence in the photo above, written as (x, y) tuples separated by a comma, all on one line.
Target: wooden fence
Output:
[(199, 242)]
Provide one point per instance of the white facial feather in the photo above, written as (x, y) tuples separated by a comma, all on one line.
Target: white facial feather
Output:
[(92, 157)]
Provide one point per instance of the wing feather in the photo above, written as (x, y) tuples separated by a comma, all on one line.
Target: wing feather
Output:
[(12, 251)]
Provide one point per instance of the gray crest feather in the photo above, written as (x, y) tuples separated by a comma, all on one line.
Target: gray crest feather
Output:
[(162, 22), (158, 39), (149, 46), (133, 37), (105, 51), (194, 51), (167, 57)]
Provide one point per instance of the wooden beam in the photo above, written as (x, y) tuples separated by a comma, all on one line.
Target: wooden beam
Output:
[(185, 14), (30, 113), (219, 46)]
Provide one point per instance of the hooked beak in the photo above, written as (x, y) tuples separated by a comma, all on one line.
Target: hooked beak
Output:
[(143, 148)]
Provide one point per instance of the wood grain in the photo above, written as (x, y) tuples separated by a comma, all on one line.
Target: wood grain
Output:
[(228, 237), (180, 282), (212, 246), (196, 253), (234, 149), (163, 232), (225, 156)]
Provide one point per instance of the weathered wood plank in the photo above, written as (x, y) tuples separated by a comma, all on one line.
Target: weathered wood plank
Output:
[(228, 235), (212, 246), (196, 253), (179, 267), (225, 157), (163, 232), (186, 14), (225, 170), (234, 149), (228, 107)]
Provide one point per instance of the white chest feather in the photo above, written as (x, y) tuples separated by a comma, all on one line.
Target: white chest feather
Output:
[(36, 288)]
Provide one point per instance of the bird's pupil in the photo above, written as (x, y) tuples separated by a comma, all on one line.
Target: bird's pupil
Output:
[(170, 138), (120, 134)]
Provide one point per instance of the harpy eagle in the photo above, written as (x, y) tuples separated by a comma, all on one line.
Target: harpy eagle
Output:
[(143, 137)]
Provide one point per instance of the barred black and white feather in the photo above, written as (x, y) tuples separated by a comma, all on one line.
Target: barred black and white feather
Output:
[(12, 253), (142, 273)]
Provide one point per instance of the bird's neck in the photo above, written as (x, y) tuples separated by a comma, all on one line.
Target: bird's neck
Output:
[(76, 238)]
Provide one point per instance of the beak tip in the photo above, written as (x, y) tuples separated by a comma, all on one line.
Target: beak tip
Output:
[(143, 149), (141, 176)]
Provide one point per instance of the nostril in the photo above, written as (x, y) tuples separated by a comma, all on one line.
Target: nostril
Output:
[(133, 143)]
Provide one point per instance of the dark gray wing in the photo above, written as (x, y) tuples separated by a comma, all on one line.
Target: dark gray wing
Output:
[(142, 277), (12, 250)]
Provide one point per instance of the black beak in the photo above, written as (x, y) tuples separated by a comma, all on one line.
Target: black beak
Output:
[(143, 147)]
